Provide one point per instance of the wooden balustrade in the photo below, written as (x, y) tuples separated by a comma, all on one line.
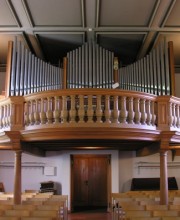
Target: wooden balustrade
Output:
[(95, 107), (11, 113), (168, 113)]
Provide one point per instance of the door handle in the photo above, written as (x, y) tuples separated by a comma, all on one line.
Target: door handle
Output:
[(86, 182)]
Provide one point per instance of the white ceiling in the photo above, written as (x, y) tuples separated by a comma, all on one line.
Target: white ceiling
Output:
[(51, 28)]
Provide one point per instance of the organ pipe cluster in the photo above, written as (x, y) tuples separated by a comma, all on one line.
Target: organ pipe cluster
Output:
[(90, 66), (150, 74), (30, 74)]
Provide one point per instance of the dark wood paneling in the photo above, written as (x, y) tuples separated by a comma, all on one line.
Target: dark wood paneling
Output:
[(89, 180)]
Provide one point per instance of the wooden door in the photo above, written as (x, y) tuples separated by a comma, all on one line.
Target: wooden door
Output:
[(89, 180), (80, 191)]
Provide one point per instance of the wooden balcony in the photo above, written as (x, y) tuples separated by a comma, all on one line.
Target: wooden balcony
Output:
[(91, 118)]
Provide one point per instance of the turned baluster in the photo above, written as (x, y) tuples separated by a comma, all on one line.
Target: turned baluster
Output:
[(56, 112), (42, 113), (72, 111), (174, 115), (130, 111), (153, 120), (137, 111), (148, 111), (1, 116), (177, 115), (115, 112), (81, 110), (26, 116), (9, 114), (36, 113), (98, 110), (31, 115), (5, 116), (90, 111), (107, 111), (49, 113), (64, 112), (123, 112), (143, 111), (170, 115)]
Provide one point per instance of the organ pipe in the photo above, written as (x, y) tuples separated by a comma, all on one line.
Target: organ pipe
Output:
[(97, 67), (90, 66), (150, 74), (30, 74)]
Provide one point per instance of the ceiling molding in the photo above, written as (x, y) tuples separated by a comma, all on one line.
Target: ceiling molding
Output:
[(83, 13), (58, 32), (97, 13), (28, 14), (13, 12), (120, 32), (60, 18), (97, 29), (168, 12), (154, 13)]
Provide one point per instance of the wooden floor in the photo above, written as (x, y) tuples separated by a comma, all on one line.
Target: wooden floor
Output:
[(91, 215)]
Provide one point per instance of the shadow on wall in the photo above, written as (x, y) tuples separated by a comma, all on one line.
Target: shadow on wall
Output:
[(127, 186), (178, 182), (58, 188)]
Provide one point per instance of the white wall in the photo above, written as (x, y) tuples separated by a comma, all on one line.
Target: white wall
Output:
[(2, 82), (128, 168), (31, 177), (124, 168)]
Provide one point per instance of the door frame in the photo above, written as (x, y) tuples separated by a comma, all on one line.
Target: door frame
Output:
[(109, 177)]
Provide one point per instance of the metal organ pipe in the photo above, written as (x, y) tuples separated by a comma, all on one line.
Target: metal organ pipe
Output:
[(150, 74), (25, 71), (22, 70), (17, 77), (30, 74), (91, 66)]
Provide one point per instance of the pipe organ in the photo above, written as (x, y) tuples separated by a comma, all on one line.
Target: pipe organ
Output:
[(89, 66), (30, 74), (150, 74)]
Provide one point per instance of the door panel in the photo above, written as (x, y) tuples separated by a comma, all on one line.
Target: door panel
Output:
[(98, 181), (90, 180), (80, 180)]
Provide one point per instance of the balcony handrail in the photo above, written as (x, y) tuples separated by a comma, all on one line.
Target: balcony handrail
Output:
[(90, 107)]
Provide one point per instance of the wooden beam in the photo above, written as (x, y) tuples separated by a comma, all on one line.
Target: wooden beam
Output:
[(8, 68), (148, 150)]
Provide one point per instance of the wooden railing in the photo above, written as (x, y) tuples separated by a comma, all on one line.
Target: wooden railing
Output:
[(11, 113), (90, 107)]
